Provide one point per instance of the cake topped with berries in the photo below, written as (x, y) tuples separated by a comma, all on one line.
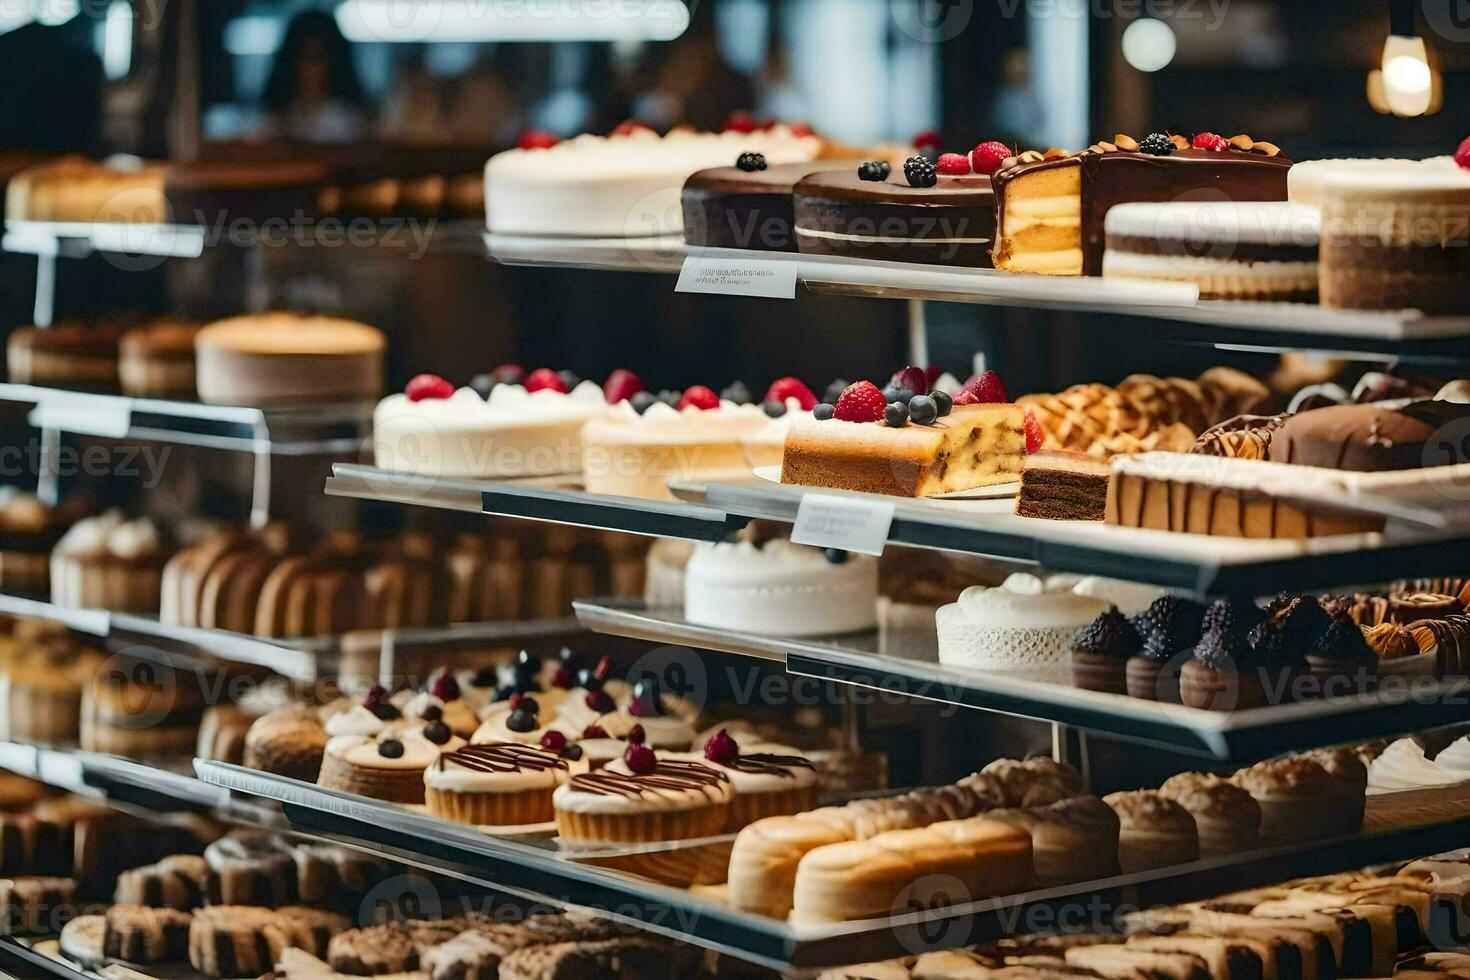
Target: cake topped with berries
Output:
[(941, 213), (1050, 206), (504, 424), (623, 185), (908, 440), (639, 445), (747, 205)]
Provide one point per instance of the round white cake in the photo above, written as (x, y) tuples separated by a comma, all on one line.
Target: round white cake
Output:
[(780, 588), (513, 433), (1019, 625), (621, 186)]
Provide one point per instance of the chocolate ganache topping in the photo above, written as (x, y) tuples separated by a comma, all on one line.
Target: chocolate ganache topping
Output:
[(501, 757), (673, 776), (770, 764)]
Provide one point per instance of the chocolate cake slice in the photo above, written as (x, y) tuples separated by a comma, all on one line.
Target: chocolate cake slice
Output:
[(730, 207), (1050, 212), (1063, 486)]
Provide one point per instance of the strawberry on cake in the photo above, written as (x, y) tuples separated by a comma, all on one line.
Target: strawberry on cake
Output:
[(907, 440), (504, 424), (639, 445)]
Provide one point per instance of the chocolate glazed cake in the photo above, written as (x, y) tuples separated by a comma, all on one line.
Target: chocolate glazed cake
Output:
[(727, 207), (1050, 212), (951, 223)]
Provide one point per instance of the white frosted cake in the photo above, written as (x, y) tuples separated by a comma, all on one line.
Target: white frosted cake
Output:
[(621, 186), (628, 454), (1021, 624), (513, 433), (780, 588), (1256, 250), (1306, 178)]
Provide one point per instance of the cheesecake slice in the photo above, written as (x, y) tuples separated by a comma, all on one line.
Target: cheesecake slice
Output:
[(973, 446)]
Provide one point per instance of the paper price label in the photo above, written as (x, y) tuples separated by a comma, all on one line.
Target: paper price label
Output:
[(738, 277), (849, 523)]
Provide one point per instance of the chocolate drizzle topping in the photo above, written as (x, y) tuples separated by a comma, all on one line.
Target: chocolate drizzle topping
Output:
[(678, 777), (766, 764), (501, 757)]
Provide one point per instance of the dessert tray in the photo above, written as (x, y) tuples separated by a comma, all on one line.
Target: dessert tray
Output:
[(912, 670), (699, 916)]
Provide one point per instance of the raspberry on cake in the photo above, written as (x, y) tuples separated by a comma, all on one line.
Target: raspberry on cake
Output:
[(910, 447)]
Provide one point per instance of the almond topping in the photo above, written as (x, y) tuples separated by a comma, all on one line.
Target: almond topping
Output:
[(1052, 153), (1180, 141), (1032, 156), (1270, 149), (1242, 142), (1126, 143), (1107, 147)]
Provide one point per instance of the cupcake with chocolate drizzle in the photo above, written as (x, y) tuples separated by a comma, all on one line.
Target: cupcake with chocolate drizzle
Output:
[(1101, 651), (497, 784), (1169, 628), (769, 780), (642, 798)]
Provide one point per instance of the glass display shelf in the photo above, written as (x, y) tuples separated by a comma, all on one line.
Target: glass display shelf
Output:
[(908, 665), (536, 870)]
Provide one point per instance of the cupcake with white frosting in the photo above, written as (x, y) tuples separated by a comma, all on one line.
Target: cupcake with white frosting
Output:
[(387, 767), (769, 780), (531, 429), (500, 784), (1019, 625)]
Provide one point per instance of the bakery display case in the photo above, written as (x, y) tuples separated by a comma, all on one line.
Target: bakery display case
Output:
[(522, 605)]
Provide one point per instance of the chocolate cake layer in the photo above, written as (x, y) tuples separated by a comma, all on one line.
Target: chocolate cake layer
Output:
[(726, 207), (1119, 177), (1370, 438), (1235, 251), (1063, 486), (951, 223)]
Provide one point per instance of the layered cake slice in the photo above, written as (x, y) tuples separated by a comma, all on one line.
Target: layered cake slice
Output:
[(1064, 486), (1251, 250), (1050, 208), (867, 445)]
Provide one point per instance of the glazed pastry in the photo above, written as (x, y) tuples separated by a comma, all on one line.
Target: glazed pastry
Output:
[(979, 858), (1295, 795), (1101, 651), (250, 868), (769, 780), (643, 798), (139, 934), (1073, 840), (1155, 831), (1226, 817), (499, 784), (385, 768), (177, 882)]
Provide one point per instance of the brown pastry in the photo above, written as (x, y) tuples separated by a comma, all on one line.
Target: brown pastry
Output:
[(280, 358), (1062, 485), (393, 947), (250, 868), (156, 360), (288, 742), (1240, 437), (1368, 438), (35, 904), (139, 934), (64, 355), (1230, 392), (1155, 831), (1073, 840), (1448, 639), (1296, 795), (179, 881), (1226, 817), (1101, 653), (235, 941), (141, 709), (1410, 607), (334, 877), (1037, 781), (631, 958)]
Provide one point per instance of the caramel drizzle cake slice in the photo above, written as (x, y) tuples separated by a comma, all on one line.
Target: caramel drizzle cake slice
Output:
[(973, 446)]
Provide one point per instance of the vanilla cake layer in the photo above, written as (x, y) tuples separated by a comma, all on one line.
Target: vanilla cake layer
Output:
[(1040, 227), (973, 446)]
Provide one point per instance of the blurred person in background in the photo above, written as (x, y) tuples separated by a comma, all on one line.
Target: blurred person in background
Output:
[(314, 94)]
